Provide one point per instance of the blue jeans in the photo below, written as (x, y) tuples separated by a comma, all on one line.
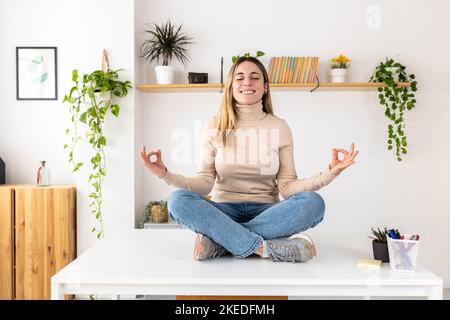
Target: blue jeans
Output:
[(240, 227)]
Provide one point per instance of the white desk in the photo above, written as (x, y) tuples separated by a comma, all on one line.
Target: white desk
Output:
[(159, 262)]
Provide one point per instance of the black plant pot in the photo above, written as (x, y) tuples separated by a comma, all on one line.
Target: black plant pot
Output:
[(380, 251)]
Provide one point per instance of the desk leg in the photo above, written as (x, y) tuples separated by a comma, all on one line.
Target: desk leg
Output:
[(57, 292), (436, 293)]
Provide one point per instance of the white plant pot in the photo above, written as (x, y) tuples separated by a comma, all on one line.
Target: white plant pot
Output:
[(164, 74), (338, 75)]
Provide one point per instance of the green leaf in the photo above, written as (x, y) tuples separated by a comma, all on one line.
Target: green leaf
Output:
[(78, 166), (72, 91), (65, 146), (115, 109), (75, 75), (102, 141), (83, 117)]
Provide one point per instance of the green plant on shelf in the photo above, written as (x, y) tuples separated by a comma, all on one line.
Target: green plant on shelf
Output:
[(396, 101), (379, 235), (146, 215), (247, 55), (167, 41)]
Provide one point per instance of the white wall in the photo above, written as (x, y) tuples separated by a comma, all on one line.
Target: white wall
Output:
[(377, 190), (35, 130)]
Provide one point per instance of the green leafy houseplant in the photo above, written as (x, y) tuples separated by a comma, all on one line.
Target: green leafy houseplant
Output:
[(90, 99), (257, 55), (166, 42), (146, 216), (379, 236), (396, 100)]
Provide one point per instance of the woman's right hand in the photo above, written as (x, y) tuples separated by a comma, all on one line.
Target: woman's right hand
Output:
[(157, 167)]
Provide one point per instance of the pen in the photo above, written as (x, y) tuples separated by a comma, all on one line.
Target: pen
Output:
[(392, 234)]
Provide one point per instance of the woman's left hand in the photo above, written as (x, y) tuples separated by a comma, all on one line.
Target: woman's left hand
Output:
[(336, 165)]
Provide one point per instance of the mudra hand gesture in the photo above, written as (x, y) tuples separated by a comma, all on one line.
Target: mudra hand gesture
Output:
[(156, 167), (336, 165)]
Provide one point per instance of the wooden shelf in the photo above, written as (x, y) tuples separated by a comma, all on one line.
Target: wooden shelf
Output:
[(325, 86)]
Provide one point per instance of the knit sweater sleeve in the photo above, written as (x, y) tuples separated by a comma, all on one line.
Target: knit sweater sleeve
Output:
[(205, 177), (288, 183)]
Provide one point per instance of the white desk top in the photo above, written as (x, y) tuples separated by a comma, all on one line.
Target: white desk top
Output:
[(164, 257)]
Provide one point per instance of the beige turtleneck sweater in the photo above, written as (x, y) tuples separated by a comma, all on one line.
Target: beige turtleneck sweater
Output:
[(255, 165)]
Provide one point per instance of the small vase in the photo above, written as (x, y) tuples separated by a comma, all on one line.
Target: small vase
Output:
[(380, 251), (338, 75), (159, 214), (164, 74)]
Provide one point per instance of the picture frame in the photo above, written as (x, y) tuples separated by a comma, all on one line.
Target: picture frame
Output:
[(36, 73)]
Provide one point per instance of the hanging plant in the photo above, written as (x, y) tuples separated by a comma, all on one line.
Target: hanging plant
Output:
[(396, 100), (247, 55), (90, 99)]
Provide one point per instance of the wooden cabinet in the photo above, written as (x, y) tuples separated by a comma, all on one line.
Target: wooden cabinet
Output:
[(37, 238)]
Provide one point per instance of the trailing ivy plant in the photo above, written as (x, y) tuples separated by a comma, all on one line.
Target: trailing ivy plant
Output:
[(90, 99), (396, 100), (247, 55)]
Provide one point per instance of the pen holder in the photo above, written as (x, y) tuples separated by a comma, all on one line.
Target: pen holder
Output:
[(403, 253)]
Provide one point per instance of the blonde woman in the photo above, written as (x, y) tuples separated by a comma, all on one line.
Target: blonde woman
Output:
[(247, 162)]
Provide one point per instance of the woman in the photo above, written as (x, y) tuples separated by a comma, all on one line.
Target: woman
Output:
[(245, 215)]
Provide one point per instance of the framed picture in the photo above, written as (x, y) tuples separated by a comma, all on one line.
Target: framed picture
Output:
[(36, 76)]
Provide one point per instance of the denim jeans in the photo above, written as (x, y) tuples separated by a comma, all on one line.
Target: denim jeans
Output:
[(240, 227)]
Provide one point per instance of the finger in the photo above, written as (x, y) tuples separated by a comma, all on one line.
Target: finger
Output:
[(142, 153), (352, 147), (348, 165), (159, 154), (354, 155), (334, 154), (344, 152)]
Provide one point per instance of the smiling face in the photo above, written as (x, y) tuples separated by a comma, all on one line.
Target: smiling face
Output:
[(248, 83)]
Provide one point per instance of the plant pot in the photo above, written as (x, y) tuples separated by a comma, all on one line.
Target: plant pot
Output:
[(159, 214), (338, 75), (164, 74), (380, 251)]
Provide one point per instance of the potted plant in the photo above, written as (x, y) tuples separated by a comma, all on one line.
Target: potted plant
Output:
[(90, 99), (396, 100), (257, 55), (166, 42), (156, 212), (379, 244), (339, 67)]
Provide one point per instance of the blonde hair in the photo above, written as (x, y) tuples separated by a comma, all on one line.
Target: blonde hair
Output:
[(226, 118)]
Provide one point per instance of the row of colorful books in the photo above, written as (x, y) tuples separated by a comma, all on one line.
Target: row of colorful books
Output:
[(293, 69)]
